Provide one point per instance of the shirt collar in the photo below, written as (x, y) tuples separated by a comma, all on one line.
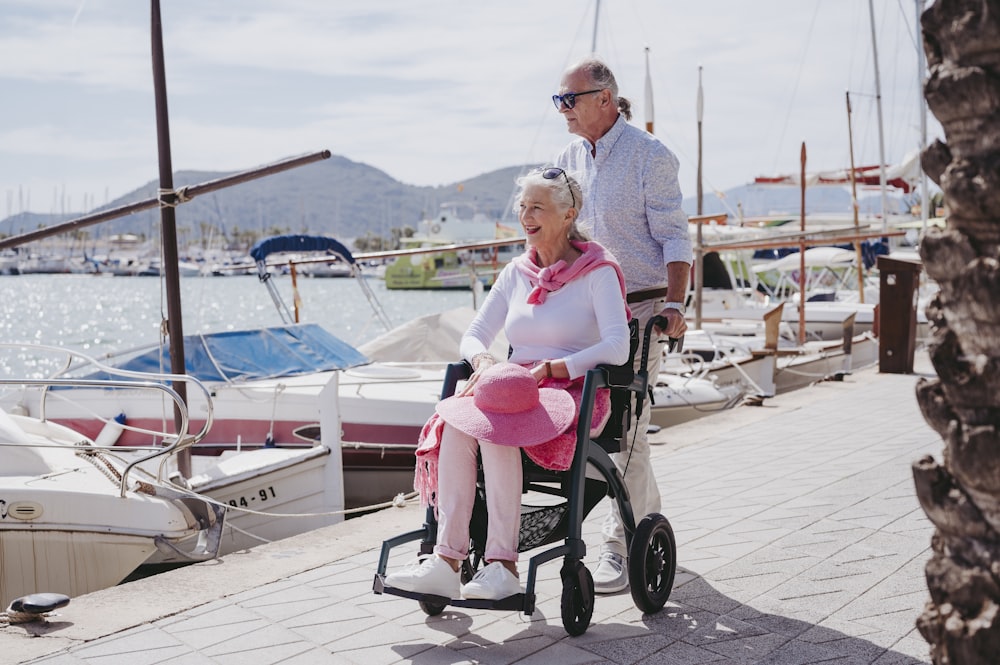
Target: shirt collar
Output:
[(605, 143)]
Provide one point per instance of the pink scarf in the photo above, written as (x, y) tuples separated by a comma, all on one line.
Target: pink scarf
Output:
[(554, 277)]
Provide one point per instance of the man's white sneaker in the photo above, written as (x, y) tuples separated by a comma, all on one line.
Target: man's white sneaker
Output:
[(434, 575), (492, 583), (611, 575)]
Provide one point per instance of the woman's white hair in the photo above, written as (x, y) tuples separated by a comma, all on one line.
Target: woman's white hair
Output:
[(565, 190)]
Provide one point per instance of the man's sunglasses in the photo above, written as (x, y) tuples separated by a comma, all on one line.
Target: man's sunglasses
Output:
[(569, 99), (555, 172)]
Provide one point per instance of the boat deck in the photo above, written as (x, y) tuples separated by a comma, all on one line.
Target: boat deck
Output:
[(800, 540)]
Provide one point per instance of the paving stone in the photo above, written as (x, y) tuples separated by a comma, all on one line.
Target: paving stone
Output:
[(682, 653), (792, 549), (267, 644), (502, 653), (627, 652), (60, 659), (145, 646), (754, 649)]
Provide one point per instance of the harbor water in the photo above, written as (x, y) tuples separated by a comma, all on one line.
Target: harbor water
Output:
[(102, 314)]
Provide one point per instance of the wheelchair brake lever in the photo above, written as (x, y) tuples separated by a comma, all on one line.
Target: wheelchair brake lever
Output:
[(646, 339), (673, 343), (643, 372)]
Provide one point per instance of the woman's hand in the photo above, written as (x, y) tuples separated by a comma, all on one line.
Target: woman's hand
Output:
[(480, 362), (538, 372)]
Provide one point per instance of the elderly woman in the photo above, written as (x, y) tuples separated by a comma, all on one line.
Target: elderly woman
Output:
[(562, 307)]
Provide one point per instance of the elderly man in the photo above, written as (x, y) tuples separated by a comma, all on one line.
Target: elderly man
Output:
[(632, 207)]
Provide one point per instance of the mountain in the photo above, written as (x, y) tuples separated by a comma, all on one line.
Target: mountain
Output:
[(345, 199), (335, 197)]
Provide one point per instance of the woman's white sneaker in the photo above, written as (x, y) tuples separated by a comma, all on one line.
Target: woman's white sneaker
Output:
[(434, 576), (492, 583)]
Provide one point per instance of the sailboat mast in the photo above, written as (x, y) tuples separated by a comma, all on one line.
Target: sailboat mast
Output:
[(168, 227), (649, 96), (878, 106), (699, 257), (802, 245), (858, 258), (701, 115), (593, 40)]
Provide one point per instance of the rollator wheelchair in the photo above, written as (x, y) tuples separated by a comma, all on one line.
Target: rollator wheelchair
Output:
[(652, 552)]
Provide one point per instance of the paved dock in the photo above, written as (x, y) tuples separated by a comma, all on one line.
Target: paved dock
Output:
[(800, 541)]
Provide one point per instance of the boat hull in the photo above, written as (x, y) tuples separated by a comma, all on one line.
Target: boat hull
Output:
[(66, 526), (67, 562), (382, 410), (272, 493), (677, 399)]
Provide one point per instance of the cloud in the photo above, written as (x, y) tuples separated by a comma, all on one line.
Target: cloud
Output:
[(438, 91)]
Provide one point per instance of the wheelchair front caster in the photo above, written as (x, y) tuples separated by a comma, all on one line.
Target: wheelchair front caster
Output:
[(431, 609), (652, 562), (577, 597)]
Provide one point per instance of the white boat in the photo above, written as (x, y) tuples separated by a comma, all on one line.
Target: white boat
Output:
[(730, 355), (677, 399), (267, 392), (10, 262), (764, 357), (270, 492), (329, 269), (45, 264), (831, 292), (150, 266), (76, 517)]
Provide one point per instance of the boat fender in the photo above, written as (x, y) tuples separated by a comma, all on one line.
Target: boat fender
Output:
[(111, 432)]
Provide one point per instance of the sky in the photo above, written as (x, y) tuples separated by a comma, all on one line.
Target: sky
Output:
[(438, 91)]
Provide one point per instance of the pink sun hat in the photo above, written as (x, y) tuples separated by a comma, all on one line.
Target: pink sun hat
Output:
[(508, 408)]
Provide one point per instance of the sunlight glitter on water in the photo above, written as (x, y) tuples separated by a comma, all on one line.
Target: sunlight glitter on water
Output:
[(100, 314)]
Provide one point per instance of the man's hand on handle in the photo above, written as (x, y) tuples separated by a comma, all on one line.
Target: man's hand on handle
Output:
[(676, 325)]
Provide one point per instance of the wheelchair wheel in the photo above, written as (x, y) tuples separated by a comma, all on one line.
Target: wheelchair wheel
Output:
[(431, 609), (577, 598), (652, 563)]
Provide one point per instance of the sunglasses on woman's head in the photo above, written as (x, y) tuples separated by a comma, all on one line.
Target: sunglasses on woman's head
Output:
[(554, 172)]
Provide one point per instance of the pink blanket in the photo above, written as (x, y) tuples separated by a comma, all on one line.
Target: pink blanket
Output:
[(555, 454)]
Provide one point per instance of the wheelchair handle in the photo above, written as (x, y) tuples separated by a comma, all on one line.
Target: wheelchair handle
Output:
[(672, 343)]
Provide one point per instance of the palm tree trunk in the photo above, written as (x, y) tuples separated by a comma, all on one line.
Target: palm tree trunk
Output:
[(961, 495)]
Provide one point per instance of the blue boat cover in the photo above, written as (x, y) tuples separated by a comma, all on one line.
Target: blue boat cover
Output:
[(299, 243), (262, 353)]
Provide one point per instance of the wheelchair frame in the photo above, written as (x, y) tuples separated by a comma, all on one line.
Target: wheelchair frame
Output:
[(651, 545)]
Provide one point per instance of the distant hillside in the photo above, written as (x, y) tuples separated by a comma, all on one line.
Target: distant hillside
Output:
[(346, 199), (335, 197)]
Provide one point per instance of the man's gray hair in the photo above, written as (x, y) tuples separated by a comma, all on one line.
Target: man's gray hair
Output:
[(602, 77)]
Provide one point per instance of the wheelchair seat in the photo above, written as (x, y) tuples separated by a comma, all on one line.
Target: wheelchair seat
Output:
[(575, 492)]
